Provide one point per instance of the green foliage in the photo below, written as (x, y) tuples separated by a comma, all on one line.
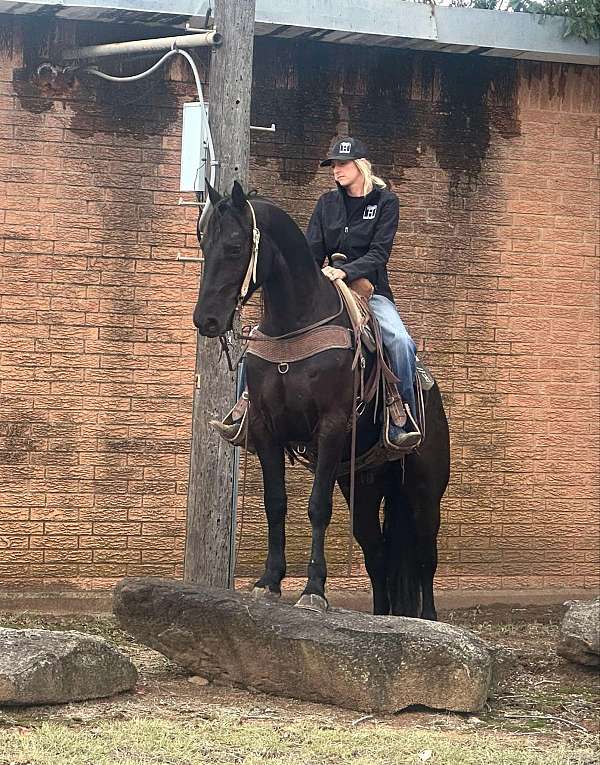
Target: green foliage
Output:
[(582, 16)]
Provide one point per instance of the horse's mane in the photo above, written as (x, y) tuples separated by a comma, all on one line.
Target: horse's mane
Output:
[(254, 195)]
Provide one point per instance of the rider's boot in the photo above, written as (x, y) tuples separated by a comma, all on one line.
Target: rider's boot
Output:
[(403, 431)]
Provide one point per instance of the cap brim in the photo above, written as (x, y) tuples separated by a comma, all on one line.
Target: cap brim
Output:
[(325, 162)]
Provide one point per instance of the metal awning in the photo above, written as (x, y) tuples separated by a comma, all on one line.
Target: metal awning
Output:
[(385, 23)]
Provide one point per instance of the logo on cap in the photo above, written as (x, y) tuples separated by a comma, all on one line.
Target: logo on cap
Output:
[(345, 147)]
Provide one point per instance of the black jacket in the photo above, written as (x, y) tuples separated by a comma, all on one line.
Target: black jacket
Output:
[(365, 239)]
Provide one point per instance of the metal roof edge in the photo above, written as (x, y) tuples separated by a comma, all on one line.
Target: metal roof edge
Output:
[(390, 23)]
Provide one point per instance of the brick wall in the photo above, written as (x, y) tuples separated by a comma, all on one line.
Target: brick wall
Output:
[(96, 335), (496, 165)]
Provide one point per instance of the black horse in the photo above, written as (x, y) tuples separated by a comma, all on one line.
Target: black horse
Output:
[(312, 404)]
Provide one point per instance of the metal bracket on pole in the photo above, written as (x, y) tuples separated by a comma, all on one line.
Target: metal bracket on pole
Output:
[(188, 203), (189, 28), (264, 129), (188, 259)]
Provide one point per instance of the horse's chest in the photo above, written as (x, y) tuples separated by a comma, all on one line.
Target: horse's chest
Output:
[(290, 404), (292, 399)]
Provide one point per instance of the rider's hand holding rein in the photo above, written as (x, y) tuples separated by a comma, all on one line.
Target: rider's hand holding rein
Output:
[(333, 273)]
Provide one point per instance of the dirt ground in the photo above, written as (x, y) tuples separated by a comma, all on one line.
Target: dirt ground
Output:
[(544, 697)]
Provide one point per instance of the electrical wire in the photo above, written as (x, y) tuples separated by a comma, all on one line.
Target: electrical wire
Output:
[(133, 77)]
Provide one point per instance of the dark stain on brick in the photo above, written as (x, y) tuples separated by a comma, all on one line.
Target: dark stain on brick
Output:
[(37, 35), (399, 102), (7, 37), (17, 442), (296, 85), (123, 445), (476, 95), (139, 109)]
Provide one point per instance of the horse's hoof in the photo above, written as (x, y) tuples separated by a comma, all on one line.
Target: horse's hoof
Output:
[(313, 603), (264, 593)]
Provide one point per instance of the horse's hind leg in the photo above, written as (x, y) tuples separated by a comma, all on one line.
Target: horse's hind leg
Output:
[(426, 514), (272, 463), (368, 534), (427, 545)]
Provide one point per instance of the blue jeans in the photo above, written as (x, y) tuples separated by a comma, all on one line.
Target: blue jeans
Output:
[(399, 345)]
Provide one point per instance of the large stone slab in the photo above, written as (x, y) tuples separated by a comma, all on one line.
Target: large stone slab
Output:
[(48, 667), (580, 632), (354, 660)]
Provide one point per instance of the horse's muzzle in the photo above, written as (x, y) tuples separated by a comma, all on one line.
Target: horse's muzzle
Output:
[(213, 324), (209, 327)]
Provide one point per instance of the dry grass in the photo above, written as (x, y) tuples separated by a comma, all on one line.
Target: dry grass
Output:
[(228, 741)]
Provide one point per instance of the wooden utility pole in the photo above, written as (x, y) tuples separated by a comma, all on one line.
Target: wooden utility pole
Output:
[(208, 554)]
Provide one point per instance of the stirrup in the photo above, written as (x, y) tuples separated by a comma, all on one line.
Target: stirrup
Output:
[(234, 426), (410, 439)]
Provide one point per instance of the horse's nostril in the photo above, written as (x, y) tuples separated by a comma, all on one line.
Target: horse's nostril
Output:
[(211, 326)]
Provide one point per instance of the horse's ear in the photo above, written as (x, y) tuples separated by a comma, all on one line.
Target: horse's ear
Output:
[(213, 195), (237, 195)]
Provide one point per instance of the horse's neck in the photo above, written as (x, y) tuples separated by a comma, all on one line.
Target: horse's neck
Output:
[(295, 295)]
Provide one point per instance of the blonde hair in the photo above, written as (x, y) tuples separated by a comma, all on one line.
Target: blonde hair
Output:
[(369, 178)]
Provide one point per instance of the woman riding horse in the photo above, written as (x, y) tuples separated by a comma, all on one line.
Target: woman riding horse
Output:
[(251, 243), (358, 222)]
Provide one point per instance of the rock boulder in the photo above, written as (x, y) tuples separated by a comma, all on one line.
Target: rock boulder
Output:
[(353, 660), (48, 667), (580, 632)]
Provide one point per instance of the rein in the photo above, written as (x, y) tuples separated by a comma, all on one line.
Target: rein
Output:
[(295, 332)]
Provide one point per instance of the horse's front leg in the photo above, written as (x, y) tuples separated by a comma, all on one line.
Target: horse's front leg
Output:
[(272, 462), (319, 512)]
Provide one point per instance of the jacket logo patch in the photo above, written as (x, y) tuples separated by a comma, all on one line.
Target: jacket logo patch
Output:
[(370, 211), (345, 147)]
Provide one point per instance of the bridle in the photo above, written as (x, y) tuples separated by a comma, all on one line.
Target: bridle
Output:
[(250, 276)]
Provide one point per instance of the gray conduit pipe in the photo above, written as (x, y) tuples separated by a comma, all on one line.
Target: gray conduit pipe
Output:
[(204, 39)]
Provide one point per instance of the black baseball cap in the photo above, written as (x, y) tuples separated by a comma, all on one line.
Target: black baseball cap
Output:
[(345, 148)]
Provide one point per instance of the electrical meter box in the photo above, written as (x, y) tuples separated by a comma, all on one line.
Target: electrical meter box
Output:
[(194, 147)]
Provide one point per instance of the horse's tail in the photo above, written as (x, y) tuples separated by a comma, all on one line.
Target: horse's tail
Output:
[(402, 564)]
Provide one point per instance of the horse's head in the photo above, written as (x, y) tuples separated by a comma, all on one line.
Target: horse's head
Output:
[(228, 246)]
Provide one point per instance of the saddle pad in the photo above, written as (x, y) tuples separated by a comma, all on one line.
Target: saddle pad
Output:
[(425, 376), (286, 350)]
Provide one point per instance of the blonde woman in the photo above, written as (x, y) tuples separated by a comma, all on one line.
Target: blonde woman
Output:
[(359, 220)]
